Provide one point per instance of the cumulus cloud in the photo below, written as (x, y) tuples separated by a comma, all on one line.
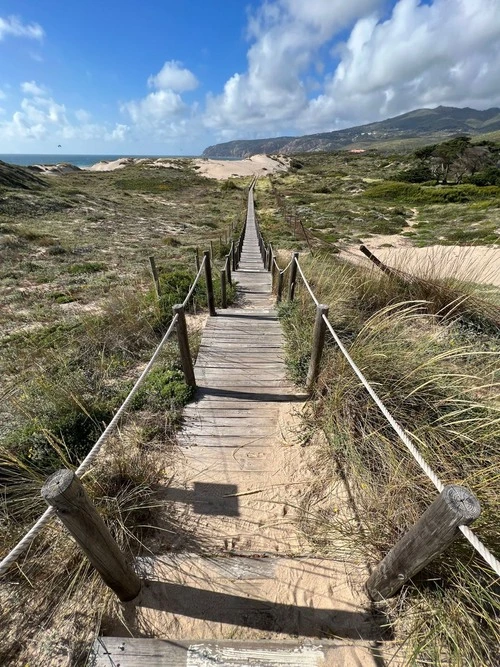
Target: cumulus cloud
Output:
[(302, 78), (14, 27), (164, 111), (41, 118), (32, 88), (173, 76), (155, 107)]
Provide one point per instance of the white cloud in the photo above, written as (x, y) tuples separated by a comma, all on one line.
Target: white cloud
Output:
[(32, 88), (119, 133), (14, 27), (155, 107), (173, 76), (301, 79), (40, 118), (2, 95)]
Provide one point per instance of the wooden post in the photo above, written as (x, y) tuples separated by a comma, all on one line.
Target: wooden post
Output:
[(280, 287), (228, 270), (156, 277), (223, 288), (270, 258), (436, 529), (197, 260), (383, 267), (211, 249), (183, 340), (266, 258), (293, 276), (210, 285), (64, 491), (317, 346), (234, 257)]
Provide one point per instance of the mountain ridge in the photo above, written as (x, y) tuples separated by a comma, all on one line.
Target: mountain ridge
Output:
[(420, 126)]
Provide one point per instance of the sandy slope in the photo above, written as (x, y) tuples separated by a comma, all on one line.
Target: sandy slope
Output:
[(479, 264), (256, 165)]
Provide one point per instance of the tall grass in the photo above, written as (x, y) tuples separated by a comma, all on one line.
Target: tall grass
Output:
[(439, 377)]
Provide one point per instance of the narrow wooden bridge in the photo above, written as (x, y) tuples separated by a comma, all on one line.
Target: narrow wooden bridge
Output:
[(252, 593)]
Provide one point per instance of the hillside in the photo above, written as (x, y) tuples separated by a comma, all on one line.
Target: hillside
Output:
[(12, 176), (418, 127)]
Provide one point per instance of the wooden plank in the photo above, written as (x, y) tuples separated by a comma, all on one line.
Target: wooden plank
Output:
[(128, 652)]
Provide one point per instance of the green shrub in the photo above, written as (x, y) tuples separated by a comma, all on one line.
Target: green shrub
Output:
[(86, 267), (164, 388), (418, 174)]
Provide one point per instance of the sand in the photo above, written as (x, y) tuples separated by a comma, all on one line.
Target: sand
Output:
[(256, 165), (478, 264)]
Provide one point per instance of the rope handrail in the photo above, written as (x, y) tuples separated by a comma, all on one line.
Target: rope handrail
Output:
[(195, 282), (472, 538), (85, 465), (492, 561), (306, 283)]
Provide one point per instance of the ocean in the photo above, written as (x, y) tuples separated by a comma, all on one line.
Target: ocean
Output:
[(25, 159)]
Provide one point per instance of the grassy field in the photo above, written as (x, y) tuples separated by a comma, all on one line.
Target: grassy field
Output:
[(80, 319), (345, 198), (430, 348)]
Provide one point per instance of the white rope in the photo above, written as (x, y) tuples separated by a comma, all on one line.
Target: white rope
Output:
[(195, 282), (306, 283), (467, 532), (34, 531)]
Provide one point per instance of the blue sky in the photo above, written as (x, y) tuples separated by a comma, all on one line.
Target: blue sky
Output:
[(172, 77)]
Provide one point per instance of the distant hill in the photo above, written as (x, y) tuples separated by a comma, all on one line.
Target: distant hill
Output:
[(13, 176), (415, 127)]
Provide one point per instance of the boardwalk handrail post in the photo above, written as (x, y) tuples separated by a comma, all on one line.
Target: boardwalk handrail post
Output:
[(436, 529), (223, 289), (64, 491), (234, 257), (228, 270), (266, 258), (197, 260), (270, 257), (279, 294), (210, 285), (317, 346), (183, 340), (293, 276), (156, 277)]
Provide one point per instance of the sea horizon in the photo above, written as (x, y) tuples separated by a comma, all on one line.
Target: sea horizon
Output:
[(76, 159)]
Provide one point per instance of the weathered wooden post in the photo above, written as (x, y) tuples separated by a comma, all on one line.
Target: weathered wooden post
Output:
[(228, 270), (223, 288), (210, 285), (183, 340), (234, 257), (317, 346), (436, 529), (279, 295), (266, 258), (211, 249), (64, 491), (270, 257), (197, 260), (293, 276), (156, 277)]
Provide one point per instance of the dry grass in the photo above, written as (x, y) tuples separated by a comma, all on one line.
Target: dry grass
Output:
[(435, 366)]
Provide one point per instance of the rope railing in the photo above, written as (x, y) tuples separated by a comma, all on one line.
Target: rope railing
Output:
[(472, 538), (195, 282), (85, 465)]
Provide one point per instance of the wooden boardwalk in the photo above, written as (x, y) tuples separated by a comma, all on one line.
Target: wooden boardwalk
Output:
[(231, 428), (240, 585)]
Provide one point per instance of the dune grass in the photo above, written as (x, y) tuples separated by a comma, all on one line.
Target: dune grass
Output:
[(81, 320), (435, 366)]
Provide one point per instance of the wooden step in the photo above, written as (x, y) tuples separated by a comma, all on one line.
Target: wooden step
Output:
[(126, 652)]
